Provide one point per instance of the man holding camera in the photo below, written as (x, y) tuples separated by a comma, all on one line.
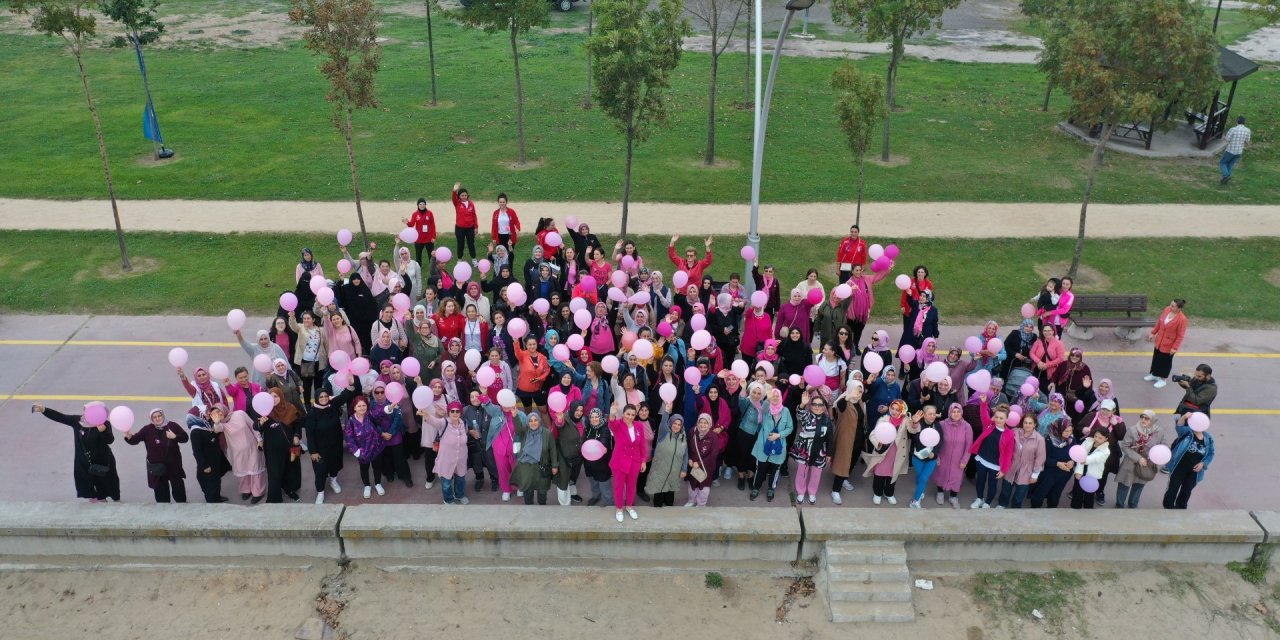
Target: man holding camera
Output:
[(1201, 390)]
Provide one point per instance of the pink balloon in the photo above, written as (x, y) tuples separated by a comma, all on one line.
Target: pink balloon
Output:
[(1028, 311), (177, 356), (907, 353), (667, 392), (344, 266), (936, 371), (589, 283), (517, 297), (619, 279), (609, 363), (517, 327), (462, 271), (541, 305), (553, 239), (409, 235), (1034, 381), (881, 264), (557, 400), (400, 302), (95, 414), (814, 296), (979, 381), (628, 339), (486, 376), (263, 402), (640, 297), (560, 352), (627, 263), (994, 345), (288, 301), (316, 284), (1012, 420), (664, 329), (219, 370), (872, 362), (339, 360), (843, 291), (698, 322), (395, 392), (235, 319), (593, 450), (740, 369), (582, 318), (574, 342), (1198, 421), (410, 366), (507, 398), (617, 295), (360, 366), (700, 340), (1089, 484), (813, 375), (759, 299), (1160, 454), (748, 253), (577, 304), (571, 222), (692, 376), (973, 344), (1028, 389), (121, 419), (643, 349), (341, 379), (875, 251), (767, 366), (443, 254), (1079, 406), (1078, 453), (325, 296), (262, 362), (903, 281), (344, 237), (884, 433), (679, 279), (930, 437), (423, 397), (484, 265), (891, 252)]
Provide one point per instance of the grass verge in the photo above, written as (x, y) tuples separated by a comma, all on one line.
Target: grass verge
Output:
[(1018, 594)]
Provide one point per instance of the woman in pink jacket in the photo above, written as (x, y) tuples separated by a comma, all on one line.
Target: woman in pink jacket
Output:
[(993, 451), (630, 451), (451, 456), (1028, 461), (794, 314), (864, 298), (1059, 316), (957, 437), (1046, 354), (757, 327)]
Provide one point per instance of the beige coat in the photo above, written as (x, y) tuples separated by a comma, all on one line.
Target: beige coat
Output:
[(900, 464), (300, 345)]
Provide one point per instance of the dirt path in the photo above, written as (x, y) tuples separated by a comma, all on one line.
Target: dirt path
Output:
[(926, 219)]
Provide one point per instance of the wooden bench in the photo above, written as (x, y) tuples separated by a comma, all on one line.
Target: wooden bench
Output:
[(1136, 129), (1104, 310)]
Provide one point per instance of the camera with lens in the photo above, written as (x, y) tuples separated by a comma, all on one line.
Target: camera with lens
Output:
[(1182, 378)]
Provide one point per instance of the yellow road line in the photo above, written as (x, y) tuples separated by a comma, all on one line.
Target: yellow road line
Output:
[(101, 398), (1189, 354)]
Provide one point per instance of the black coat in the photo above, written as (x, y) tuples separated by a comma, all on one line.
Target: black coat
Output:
[(324, 429), (92, 446), (208, 455), (160, 449)]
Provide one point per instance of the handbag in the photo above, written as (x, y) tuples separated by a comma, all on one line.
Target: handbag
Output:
[(99, 470), (773, 447), (156, 469), (700, 474)]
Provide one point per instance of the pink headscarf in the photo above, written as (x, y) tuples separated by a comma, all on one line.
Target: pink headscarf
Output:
[(775, 403)]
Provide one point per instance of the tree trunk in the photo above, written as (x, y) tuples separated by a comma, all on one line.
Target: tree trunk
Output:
[(891, 94), (711, 106), (626, 180), (1048, 91), (862, 183), (515, 55), (106, 164), (431, 52), (355, 181), (1094, 164), (591, 16)]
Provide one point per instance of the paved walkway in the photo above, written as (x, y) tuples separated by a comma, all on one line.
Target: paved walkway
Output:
[(64, 361), (927, 219)]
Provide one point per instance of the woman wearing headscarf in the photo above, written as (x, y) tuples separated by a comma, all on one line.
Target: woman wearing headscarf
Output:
[(530, 271), (324, 436), (94, 466), (671, 460), (451, 456), (812, 446), (385, 349), (704, 451), (599, 334), (1047, 354), (568, 428), (281, 448), (427, 347), (1069, 379), (993, 451), (263, 346), (957, 438), (887, 461), (286, 381), (164, 458), (502, 440), (757, 330), (984, 357), (920, 284), (409, 270), (794, 314), (474, 296), (716, 407), (850, 438), (794, 354), (598, 471), (1017, 346), (339, 336), (862, 300), (1094, 394), (1057, 467), (211, 464), (307, 265), (362, 310), (424, 222), (882, 389), (922, 323), (1052, 415), (243, 450), (363, 439), (538, 461), (204, 393), (1029, 456), (1097, 449), (310, 353), (389, 419), (771, 424), (1192, 454), (1105, 418), (880, 346), (454, 387), (1136, 468), (768, 283)]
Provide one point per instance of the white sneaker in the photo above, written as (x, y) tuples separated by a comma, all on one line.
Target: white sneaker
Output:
[(915, 504), (977, 503), (848, 486), (813, 499), (716, 482), (633, 514), (379, 489), (1150, 378), (955, 502), (835, 498), (464, 500), (985, 506), (368, 491), (728, 473), (320, 498), (333, 484), (429, 484), (1161, 383), (999, 506), (689, 504), (893, 500), (506, 496), (519, 493), (939, 497), (875, 499), (618, 516)]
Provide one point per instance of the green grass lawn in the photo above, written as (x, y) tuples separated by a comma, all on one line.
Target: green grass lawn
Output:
[(187, 273), (253, 124)]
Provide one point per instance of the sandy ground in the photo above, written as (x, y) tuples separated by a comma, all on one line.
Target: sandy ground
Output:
[(1151, 601), (969, 45), (927, 219)]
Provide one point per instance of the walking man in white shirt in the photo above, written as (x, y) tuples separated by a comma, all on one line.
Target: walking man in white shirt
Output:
[(1237, 137)]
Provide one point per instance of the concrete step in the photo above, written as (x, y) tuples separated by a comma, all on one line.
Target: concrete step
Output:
[(843, 611), (876, 573), (865, 552), (849, 591)]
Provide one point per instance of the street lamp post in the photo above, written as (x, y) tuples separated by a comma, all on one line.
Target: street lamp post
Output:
[(762, 118)]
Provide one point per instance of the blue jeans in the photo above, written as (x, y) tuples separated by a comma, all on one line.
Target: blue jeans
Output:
[(1227, 162), (1012, 495), (454, 488), (923, 469)]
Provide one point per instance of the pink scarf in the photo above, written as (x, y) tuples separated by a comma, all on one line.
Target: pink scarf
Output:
[(920, 315), (775, 409)]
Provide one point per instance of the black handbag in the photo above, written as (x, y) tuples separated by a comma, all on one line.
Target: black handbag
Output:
[(99, 470), (156, 469)]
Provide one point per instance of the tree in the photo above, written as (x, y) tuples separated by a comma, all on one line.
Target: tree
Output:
[(635, 51), (721, 18), (896, 20), (431, 51), (141, 27), (1126, 62), (515, 17), (72, 21), (345, 32), (1050, 17), (859, 108)]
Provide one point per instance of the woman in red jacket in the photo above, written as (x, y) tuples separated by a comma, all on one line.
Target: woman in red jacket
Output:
[(505, 226), (424, 222), (464, 221), (449, 322), (1170, 329), (534, 369), (630, 451)]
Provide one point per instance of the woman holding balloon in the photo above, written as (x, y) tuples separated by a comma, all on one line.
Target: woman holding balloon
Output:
[(1058, 466), (1192, 453), (1091, 459), (957, 438), (1144, 449), (310, 353), (161, 438), (1029, 455), (94, 466), (278, 423), (324, 437), (926, 436), (890, 446), (205, 393)]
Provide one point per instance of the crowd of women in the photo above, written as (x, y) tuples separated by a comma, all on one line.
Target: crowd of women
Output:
[(588, 371)]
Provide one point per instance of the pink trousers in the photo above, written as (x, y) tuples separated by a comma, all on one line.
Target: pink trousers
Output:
[(624, 487), (254, 485), (807, 479)]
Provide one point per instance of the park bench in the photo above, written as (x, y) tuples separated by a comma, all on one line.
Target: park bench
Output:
[(1109, 310), (1133, 130)]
